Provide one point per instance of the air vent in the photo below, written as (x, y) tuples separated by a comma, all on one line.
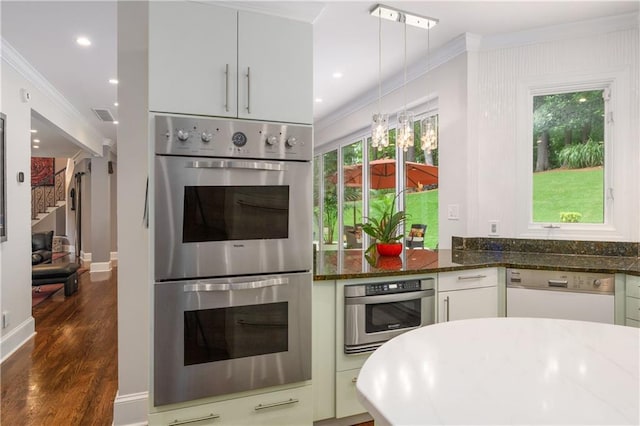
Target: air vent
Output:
[(104, 114)]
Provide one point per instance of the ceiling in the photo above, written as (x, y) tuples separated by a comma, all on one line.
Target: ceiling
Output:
[(345, 40)]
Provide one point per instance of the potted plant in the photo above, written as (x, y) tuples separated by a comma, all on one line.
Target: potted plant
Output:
[(385, 231)]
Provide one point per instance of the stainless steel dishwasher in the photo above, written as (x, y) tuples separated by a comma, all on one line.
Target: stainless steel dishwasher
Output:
[(584, 296)]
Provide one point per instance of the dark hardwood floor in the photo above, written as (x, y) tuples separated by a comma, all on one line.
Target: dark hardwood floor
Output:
[(67, 374)]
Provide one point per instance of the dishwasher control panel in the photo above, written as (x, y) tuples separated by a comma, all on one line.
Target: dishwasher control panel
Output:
[(590, 282)]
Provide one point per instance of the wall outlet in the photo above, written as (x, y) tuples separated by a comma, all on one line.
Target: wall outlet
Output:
[(493, 227), (453, 212), (6, 319)]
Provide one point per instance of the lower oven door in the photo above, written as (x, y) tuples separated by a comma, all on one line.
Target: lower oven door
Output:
[(214, 337), (372, 320)]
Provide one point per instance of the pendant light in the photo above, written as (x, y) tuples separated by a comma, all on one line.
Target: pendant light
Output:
[(429, 125), (380, 121), (404, 137)]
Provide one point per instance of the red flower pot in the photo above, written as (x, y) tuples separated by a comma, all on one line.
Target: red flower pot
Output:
[(391, 249)]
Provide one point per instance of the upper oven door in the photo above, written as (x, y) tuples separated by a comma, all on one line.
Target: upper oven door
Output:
[(222, 217)]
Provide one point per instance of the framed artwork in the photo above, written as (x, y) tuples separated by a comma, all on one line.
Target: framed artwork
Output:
[(42, 171), (3, 180)]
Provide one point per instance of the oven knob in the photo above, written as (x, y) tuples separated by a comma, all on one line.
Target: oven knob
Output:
[(596, 283), (206, 137), (271, 140), (291, 142), (183, 135)]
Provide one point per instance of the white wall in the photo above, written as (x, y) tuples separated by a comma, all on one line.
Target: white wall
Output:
[(15, 270), (134, 276), (500, 72)]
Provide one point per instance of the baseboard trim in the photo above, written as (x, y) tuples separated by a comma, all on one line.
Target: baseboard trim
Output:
[(17, 337), (131, 409), (86, 257), (100, 266), (113, 255)]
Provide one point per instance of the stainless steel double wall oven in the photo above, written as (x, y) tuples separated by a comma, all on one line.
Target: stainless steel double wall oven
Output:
[(233, 256)]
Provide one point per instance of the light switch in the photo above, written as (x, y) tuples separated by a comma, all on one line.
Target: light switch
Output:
[(453, 211)]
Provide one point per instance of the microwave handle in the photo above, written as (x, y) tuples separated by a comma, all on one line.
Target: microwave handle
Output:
[(388, 298), (235, 164), (246, 285)]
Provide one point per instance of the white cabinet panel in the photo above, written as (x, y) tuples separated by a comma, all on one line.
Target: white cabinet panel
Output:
[(347, 403), (632, 323), (192, 58), (633, 286), (466, 304), (285, 407), (472, 278), (633, 308), (278, 53), (323, 343)]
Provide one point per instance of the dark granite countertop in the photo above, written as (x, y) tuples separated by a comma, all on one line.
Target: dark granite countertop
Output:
[(352, 264)]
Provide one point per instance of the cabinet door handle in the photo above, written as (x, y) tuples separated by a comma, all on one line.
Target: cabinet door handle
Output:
[(446, 311), (194, 420), (354, 380), (226, 88), (471, 277), (276, 404), (248, 90)]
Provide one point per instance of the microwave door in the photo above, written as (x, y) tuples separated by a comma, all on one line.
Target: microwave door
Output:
[(231, 217)]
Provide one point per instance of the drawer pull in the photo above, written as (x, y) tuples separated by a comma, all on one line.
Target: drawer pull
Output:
[(197, 419), (471, 277), (355, 379), (276, 404)]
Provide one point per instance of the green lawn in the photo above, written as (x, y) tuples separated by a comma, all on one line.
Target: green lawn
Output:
[(576, 190)]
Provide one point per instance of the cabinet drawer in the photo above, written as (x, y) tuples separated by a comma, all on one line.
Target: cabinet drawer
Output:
[(633, 286), (285, 407), (632, 308), (347, 403), (472, 278)]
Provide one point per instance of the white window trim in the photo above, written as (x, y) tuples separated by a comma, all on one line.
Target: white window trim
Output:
[(617, 141)]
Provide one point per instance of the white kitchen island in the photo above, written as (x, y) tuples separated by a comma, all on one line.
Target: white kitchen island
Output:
[(506, 371)]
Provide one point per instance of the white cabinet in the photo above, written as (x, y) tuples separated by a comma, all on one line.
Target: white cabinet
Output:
[(347, 403), (467, 294), (277, 56), (632, 301), (217, 61), (192, 58), (284, 407)]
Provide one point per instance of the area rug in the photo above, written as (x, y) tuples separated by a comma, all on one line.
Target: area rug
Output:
[(41, 293), (55, 256)]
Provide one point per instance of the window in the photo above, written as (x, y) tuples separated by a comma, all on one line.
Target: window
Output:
[(573, 157), (342, 197), (569, 157)]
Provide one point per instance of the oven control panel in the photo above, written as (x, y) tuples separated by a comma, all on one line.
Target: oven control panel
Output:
[(231, 138)]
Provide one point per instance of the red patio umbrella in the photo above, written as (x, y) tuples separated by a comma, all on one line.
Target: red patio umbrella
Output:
[(383, 174)]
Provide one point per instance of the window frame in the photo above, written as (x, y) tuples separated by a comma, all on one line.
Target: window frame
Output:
[(613, 226)]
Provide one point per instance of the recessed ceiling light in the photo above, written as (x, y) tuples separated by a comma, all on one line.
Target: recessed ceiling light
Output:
[(115, 122), (83, 41), (36, 140), (115, 104), (113, 80), (318, 100), (35, 146), (337, 74), (34, 131)]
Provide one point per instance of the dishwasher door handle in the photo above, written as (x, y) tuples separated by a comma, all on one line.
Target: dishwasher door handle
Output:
[(558, 283)]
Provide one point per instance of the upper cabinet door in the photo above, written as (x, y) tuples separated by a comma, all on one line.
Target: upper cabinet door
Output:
[(275, 69), (192, 58)]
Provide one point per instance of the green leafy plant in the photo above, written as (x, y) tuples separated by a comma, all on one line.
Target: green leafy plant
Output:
[(570, 217), (581, 155), (384, 229)]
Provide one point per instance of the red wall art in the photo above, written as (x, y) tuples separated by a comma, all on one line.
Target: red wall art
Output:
[(42, 171)]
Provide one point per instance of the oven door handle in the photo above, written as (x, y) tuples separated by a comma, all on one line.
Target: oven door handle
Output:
[(246, 285), (388, 298), (235, 164)]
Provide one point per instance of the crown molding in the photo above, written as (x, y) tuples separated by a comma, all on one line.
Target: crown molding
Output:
[(16, 61), (562, 31)]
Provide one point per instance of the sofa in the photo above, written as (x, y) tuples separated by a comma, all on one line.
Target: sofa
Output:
[(41, 247)]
